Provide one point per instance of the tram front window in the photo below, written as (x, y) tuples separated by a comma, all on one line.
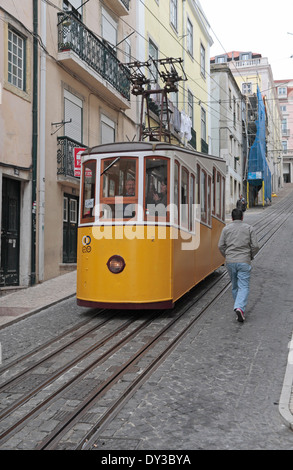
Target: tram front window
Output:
[(118, 188), (156, 188)]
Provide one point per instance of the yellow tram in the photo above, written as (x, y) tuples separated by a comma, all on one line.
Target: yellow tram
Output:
[(151, 214)]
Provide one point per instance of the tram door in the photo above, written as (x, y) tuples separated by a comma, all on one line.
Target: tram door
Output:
[(70, 214), (9, 271)]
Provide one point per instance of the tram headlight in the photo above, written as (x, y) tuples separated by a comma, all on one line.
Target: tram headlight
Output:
[(116, 264)]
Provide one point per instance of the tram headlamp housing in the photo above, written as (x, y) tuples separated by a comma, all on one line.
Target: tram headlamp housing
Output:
[(116, 264)]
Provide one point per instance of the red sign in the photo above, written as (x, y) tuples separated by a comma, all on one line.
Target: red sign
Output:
[(77, 160)]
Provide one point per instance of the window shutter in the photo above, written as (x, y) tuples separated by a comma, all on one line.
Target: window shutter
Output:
[(73, 111)]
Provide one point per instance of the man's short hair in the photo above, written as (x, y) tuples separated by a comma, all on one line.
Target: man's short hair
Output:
[(237, 214)]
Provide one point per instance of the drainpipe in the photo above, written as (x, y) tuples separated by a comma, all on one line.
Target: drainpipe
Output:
[(34, 140), (183, 48), (41, 185)]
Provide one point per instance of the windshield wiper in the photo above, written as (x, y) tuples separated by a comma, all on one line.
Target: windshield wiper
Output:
[(109, 166)]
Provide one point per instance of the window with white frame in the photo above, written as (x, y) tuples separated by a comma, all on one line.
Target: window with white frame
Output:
[(73, 112), (284, 126), (154, 54), (109, 29), (221, 59), (73, 211), (202, 61), (247, 88), (285, 145), (174, 13), (107, 130), (189, 37), (190, 106), (245, 56), (16, 59), (127, 50), (282, 91), (203, 124)]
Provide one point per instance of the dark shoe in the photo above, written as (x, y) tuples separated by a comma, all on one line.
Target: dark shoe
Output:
[(240, 315)]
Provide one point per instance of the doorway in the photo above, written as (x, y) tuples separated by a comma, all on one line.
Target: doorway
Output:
[(9, 271), (70, 215)]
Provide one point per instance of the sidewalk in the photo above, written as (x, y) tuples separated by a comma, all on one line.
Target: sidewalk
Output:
[(17, 305)]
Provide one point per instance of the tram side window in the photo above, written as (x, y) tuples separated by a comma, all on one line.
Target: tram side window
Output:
[(197, 190), (223, 198), (192, 213), (156, 188), (203, 195), (118, 188), (88, 191), (184, 198), (209, 215), (176, 193), (218, 195)]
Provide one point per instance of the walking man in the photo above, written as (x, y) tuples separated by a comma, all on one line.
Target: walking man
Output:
[(241, 203), (238, 244)]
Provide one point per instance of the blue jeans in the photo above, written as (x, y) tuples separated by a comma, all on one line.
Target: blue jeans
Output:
[(240, 276)]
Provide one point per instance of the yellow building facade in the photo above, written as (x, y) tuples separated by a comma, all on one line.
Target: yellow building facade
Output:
[(179, 29)]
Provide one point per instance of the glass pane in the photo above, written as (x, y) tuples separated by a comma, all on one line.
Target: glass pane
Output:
[(156, 187), (65, 205), (218, 194), (73, 211), (203, 196), (176, 193), (184, 198), (119, 178), (191, 203), (89, 185)]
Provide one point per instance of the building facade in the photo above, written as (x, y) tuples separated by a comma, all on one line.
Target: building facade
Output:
[(17, 130), (227, 132), (285, 95), (175, 29), (64, 87), (253, 73)]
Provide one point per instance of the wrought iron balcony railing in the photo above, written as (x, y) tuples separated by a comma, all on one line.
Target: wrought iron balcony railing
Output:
[(74, 35), (65, 155)]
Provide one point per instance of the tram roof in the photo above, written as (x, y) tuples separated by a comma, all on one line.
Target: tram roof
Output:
[(124, 147)]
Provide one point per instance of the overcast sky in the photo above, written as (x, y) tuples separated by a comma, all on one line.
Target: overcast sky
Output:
[(260, 26)]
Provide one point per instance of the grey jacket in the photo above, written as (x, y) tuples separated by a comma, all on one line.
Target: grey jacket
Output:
[(238, 242)]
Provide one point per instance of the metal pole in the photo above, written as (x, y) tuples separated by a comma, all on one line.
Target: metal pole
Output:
[(247, 194), (34, 140)]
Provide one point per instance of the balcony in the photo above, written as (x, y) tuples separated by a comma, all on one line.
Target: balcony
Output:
[(88, 57), (65, 160)]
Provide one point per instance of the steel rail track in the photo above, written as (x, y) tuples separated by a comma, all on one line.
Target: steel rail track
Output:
[(274, 219)]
